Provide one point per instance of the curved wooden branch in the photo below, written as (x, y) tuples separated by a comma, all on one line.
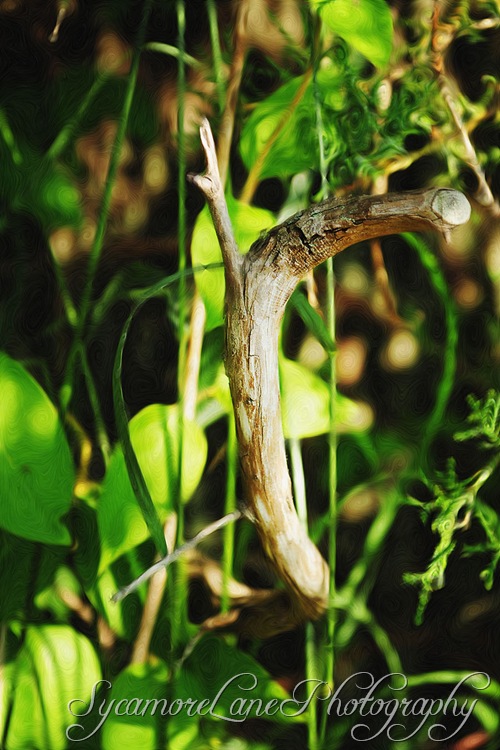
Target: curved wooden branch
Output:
[(258, 287)]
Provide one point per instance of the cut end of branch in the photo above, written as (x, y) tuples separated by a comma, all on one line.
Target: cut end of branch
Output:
[(451, 206)]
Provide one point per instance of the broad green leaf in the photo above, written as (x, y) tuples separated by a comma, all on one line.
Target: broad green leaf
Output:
[(365, 24), (155, 439), (187, 736), (288, 117), (36, 468), (305, 404), (138, 724), (282, 129), (248, 222), (150, 716), (223, 675), (56, 665)]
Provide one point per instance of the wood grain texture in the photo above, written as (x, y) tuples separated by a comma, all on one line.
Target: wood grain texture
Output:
[(258, 286)]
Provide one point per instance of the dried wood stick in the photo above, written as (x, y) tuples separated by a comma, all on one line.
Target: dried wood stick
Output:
[(258, 286)]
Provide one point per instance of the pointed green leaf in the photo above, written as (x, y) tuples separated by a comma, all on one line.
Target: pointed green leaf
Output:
[(289, 119), (36, 468)]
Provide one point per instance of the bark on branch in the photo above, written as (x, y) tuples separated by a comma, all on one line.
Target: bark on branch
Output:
[(258, 286)]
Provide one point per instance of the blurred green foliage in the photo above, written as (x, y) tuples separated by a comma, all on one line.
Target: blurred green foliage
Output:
[(335, 96)]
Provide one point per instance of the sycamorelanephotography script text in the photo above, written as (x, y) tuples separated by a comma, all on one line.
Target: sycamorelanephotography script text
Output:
[(397, 715)]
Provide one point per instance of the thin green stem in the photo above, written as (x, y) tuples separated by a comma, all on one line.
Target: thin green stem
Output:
[(445, 387), (69, 308), (299, 493), (329, 646), (102, 435), (181, 189), (299, 482), (216, 52), (136, 477), (229, 507), (168, 49), (62, 140), (364, 571), (9, 139), (179, 586)]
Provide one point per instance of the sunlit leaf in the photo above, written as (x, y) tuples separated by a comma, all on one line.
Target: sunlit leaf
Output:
[(36, 468), (365, 24), (56, 665), (288, 118), (248, 222), (154, 434), (130, 730), (305, 403)]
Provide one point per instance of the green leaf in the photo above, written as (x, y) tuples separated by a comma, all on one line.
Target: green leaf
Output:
[(364, 24), (223, 675), (155, 440), (26, 568), (296, 147), (130, 730), (56, 665), (248, 222), (305, 403), (36, 468), (143, 725)]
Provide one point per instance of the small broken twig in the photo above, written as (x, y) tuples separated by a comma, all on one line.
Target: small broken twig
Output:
[(168, 559)]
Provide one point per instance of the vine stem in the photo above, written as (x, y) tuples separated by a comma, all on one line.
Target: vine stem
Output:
[(331, 619)]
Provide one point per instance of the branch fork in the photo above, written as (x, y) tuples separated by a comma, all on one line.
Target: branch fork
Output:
[(258, 286)]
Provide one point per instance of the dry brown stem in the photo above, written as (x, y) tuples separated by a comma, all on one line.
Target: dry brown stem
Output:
[(154, 598), (258, 287)]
